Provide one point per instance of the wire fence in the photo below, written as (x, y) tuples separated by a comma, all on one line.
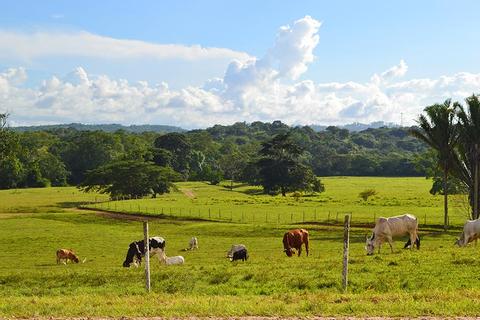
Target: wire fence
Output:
[(241, 214)]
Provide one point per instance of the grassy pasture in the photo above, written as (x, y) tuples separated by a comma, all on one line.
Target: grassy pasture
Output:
[(247, 204), (440, 279)]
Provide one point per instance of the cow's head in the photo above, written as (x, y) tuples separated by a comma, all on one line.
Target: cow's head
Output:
[(133, 252), (289, 252), (369, 244), (461, 240), (75, 258)]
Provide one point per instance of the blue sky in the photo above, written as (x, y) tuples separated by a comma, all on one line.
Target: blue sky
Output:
[(357, 39)]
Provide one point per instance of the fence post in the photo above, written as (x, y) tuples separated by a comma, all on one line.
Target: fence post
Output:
[(346, 241), (425, 220), (147, 255), (291, 216)]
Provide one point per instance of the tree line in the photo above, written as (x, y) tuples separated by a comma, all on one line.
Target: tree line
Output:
[(278, 157)]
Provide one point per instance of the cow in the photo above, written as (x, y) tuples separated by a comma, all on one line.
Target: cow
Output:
[(235, 248), (294, 239), (136, 250), (471, 232), (387, 228), (241, 254), (171, 260), (192, 244), (65, 255)]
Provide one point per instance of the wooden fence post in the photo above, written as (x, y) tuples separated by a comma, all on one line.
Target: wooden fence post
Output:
[(147, 255), (346, 241)]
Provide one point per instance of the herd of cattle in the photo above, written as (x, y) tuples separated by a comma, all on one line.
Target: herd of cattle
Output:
[(384, 231)]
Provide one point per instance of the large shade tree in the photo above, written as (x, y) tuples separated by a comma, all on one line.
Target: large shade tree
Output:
[(437, 129), (130, 179), (281, 169)]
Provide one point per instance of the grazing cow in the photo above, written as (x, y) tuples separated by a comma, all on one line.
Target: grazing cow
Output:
[(235, 248), (387, 228), (136, 250), (294, 239), (171, 260), (241, 254), (471, 232), (192, 244), (66, 254)]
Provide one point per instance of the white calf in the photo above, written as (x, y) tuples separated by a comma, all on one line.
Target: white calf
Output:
[(172, 260), (193, 244)]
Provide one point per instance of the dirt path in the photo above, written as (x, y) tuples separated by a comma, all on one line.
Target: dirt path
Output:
[(258, 318), (189, 193)]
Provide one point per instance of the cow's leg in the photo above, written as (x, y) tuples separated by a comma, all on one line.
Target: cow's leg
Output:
[(306, 246), (390, 242), (413, 239), (299, 250)]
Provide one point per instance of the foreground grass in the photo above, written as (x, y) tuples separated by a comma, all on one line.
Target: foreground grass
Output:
[(440, 279)]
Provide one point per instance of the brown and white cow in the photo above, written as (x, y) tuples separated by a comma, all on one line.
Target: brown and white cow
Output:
[(294, 239), (65, 255), (387, 228), (471, 232)]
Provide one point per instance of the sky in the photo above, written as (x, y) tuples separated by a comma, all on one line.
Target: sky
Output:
[(194, 64)]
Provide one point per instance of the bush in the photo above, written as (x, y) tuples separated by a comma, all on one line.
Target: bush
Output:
[(367, 194)]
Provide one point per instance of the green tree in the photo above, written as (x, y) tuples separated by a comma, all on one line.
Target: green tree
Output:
[(438, 130), (469, 150), (130, 178), (280, 168), (177, 144)]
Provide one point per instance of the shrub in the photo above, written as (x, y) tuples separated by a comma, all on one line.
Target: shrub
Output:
[(367, 194)]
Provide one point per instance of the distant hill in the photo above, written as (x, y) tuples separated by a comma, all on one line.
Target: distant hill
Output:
[(102, 127), (357, 126)]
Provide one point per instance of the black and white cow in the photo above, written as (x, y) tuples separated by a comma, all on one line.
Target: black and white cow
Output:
[(136, 250), (240, 255)]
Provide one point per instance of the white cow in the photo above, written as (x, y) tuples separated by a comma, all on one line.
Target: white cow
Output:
[(387, 228), (471, 231), (171, 260)]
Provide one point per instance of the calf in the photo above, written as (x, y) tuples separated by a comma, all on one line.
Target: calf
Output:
[(171, 260), (136, 250), (66, 254), (240, 255), (471, 232), (192, 244), (387, 228)]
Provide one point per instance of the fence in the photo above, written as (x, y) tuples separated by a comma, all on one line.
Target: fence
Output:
[(268, 214)]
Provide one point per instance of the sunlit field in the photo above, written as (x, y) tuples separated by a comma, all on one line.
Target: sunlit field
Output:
[(247, 204), (439, 279)]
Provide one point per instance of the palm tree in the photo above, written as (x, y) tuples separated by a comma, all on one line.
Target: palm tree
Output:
[(437, 129), (469, 149)]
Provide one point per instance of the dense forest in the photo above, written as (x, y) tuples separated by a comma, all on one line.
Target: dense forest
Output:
[(63, 155)]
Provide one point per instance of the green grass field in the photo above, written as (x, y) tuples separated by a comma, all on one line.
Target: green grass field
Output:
[(440, 279), (247, 204)]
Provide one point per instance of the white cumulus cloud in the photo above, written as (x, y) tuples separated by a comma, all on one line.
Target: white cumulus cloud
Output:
[(253, 89)]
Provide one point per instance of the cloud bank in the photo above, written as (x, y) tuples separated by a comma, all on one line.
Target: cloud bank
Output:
[(265, 88)]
